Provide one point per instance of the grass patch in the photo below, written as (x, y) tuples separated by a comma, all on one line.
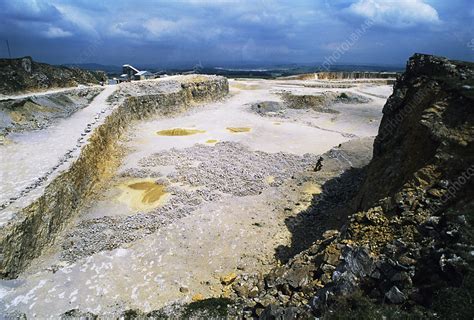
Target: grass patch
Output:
[(357, 306), (207, 308)]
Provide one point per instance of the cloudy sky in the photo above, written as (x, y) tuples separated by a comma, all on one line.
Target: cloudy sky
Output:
[(168, 33)]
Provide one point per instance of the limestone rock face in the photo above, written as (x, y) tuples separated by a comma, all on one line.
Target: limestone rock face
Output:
[(355, 75), (412, 206), (341, 75), (24, 75), (427, 131)]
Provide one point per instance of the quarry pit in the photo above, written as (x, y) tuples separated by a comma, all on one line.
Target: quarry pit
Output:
[(159, 191)]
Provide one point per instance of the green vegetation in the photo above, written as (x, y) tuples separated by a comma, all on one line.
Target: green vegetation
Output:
[(343, 96), (207, 308), (359, 306), (457, 302)]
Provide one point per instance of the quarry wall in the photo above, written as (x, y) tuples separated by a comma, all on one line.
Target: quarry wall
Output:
[(36, 226)]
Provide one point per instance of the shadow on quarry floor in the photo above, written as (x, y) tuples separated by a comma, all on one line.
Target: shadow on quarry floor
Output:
[(328, 210)]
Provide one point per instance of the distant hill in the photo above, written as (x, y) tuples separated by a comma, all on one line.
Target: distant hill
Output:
[(244, 71), (291, 70), (110, 69), (25, 75)]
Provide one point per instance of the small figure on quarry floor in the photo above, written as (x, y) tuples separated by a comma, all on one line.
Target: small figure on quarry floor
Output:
[(319, 165)]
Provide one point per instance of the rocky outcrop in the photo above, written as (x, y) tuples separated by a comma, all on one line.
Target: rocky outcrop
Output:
[(25, 75), (419, 190), (407, 248), (319, 103), (36, 226), (427, 130)]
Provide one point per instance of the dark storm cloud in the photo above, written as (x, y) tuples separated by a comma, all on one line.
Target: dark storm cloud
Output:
[(26, 11), (217, 32)]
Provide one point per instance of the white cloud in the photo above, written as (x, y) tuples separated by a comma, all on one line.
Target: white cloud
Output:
[(396, 13), (191, 29), (159, 27), (80, 18), (121, 30), (30, 10), (55, 32), (264, 18)]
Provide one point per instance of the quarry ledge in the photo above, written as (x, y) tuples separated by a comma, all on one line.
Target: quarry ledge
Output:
[(35, 226)]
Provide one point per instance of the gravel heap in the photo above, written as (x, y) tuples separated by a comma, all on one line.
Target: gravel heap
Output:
[(321, 102), (230, 167), (292, 103), (226, 169), (269, 108)]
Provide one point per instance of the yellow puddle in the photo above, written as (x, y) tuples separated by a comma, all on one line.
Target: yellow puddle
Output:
[(142, 194), (244, 86), (277, 123), (211, 141), (238, 129), (178, 132), (311, 188)]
